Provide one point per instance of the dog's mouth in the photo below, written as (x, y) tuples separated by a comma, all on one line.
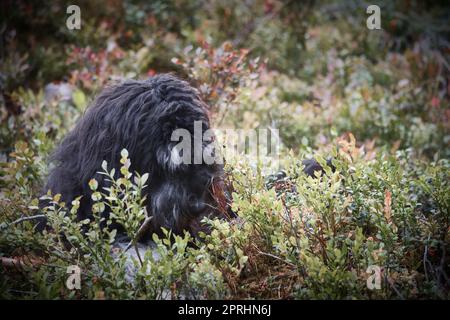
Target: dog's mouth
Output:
[(182, 203)]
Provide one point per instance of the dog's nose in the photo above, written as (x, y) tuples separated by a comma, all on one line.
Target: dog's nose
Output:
[(195, 204)]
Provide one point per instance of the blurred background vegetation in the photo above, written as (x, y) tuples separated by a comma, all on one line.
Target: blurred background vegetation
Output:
[(375, 100)]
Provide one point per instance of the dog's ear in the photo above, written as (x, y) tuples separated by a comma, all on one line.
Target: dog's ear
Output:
[(311, 166)]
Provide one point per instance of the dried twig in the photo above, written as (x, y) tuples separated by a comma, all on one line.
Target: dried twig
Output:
[(425, 253), (274, 256), (23, 219), (140, 233), (391, 283), (19, 262)]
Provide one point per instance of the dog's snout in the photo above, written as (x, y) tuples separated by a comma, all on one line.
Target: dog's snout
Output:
[(196, 204)]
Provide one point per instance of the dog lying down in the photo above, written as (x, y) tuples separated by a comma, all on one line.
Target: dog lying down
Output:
[(141, 117)]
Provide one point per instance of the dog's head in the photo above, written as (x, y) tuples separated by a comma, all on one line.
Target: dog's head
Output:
[(186, 178)]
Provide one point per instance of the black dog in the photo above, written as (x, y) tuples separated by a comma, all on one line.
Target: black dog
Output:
[(141, 117)]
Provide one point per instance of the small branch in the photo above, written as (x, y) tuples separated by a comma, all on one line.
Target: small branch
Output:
[(425, 253), (19, 262), (23, 219), (138, 254), (274, 256), (391, 283), (140, 233)]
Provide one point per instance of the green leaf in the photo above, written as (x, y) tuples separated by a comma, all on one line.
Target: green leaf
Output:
[(144, 178), (124, 153), (79, 99), (93, 184)]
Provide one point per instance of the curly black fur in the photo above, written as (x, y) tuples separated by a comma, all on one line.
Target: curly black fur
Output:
[(140, 116)]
